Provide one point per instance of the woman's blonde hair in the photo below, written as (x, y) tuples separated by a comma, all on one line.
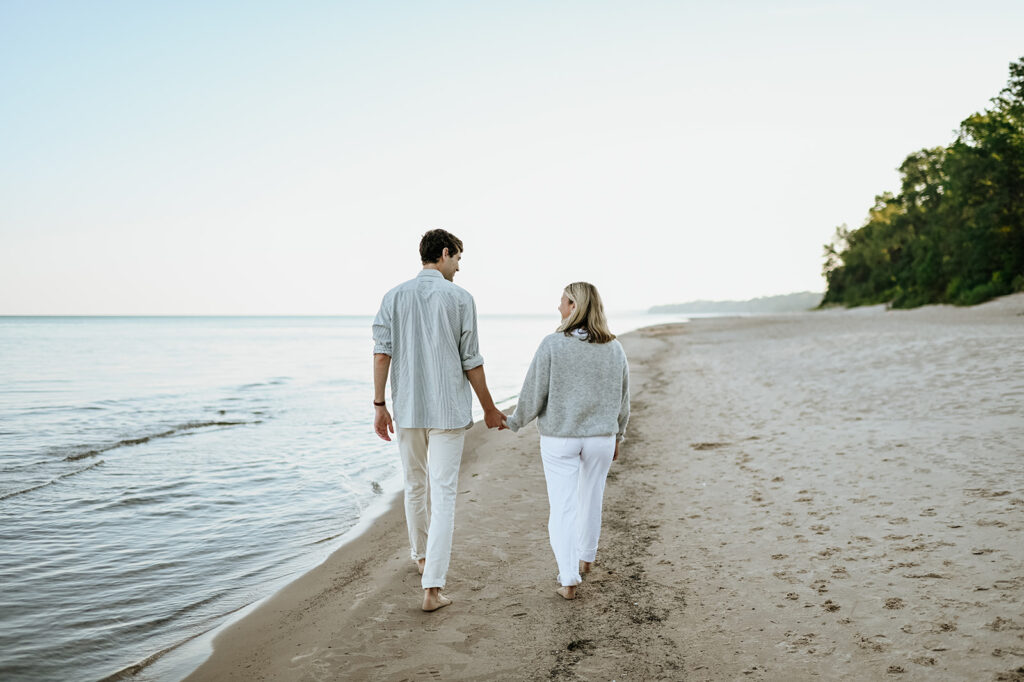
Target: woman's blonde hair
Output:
[(588, 314)]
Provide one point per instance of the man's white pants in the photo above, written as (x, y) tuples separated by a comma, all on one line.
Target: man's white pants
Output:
[(430, 488), (575, 470)]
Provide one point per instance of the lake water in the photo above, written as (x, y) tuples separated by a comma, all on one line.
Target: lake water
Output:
[(159, 474)]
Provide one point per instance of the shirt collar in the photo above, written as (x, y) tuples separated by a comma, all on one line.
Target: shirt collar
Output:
[(430, 272)]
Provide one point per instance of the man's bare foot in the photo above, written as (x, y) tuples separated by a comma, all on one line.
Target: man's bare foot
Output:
[(585, 566), (420, 563), (567, 591), (434, 600)]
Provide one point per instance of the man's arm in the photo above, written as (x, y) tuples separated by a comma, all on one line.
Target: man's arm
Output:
[(381, 364), (473, 366), (382, 423), (493, 417)]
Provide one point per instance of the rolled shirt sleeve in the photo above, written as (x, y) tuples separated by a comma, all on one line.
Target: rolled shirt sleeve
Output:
[(469, 340), (382, 329)]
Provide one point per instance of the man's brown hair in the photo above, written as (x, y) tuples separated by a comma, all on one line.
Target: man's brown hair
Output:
[(435, 242)]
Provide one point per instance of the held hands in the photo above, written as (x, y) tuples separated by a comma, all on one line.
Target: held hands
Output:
[(495, 418), (382, 423)]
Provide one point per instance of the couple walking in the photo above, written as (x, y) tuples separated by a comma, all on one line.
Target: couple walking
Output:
[(577, 387)]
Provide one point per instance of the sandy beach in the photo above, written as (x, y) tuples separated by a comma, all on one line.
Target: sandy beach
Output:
[(828, 495)]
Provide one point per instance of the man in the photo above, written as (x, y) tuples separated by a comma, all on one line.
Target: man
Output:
[(425, 334)]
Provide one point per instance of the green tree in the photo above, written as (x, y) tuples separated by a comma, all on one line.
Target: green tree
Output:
[(955, 232)]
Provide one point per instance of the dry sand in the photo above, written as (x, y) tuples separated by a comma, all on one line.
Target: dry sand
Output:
[(831, 495)]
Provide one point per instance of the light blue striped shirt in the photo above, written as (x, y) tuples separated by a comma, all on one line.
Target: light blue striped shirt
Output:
[(428, 327)]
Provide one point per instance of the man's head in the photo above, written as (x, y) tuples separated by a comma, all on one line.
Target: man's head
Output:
[(441, 250)]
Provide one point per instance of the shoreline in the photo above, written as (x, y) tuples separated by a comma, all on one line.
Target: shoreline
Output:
[(796, 498), (185, 657)]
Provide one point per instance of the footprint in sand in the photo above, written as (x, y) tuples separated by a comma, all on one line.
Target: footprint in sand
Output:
[(784, 575), (1000, 624), (935, 576), (1015, 675), (803, 640), (707, 446), (877, 643), (985, 492)]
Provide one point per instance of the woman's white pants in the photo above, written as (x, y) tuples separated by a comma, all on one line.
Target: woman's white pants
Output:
[(575, 470)]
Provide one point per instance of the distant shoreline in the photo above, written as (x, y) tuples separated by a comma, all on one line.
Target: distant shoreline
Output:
[(785, 303)]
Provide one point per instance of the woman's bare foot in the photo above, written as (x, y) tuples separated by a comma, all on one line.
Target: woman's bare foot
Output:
[(585, 566), (434, 600), (420, 563), (567, 591)]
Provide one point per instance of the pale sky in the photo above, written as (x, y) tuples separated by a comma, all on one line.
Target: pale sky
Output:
[(285, 157)]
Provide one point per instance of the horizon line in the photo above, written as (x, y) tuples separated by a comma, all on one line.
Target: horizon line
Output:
[(272, 315)]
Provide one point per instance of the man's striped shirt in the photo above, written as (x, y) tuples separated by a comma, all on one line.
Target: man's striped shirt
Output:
[(428, 327)]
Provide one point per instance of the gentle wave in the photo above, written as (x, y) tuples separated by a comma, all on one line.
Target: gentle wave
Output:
[(55, 479), (21, 466), (182, 429), (327, 539), (274, 381), (129, 672), (58, 409)]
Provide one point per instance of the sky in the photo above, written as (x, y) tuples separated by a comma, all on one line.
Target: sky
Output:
[(223, 158)]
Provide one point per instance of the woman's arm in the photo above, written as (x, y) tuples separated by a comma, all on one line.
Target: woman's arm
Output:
[(624, 407), (533, 396)]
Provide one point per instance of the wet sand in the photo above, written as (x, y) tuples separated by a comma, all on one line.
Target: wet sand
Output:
[(829, 495)]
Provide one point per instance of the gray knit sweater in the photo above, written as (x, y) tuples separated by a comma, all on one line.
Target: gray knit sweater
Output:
[(574, 388)]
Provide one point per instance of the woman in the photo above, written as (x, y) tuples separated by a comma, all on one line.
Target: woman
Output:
[(578, 389)]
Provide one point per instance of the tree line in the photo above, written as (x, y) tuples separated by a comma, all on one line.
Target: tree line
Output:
[(955, 232)]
